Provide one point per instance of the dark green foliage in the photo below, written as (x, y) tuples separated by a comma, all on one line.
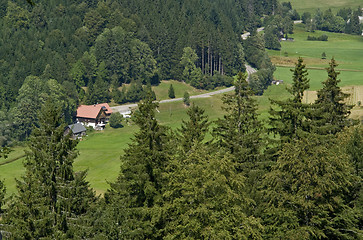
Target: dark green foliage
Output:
[(204, 199), (116, 120), (186, 99), (133, 199), (271, 38), (2, 195), (320, 38), (288, 118), (306, 193), (52, 200), (331, 113), (98, 92), (193, 132), (171, 92), (239, 132)]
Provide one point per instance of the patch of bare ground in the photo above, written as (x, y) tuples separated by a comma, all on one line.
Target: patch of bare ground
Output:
[(355, 98), (290, 61)]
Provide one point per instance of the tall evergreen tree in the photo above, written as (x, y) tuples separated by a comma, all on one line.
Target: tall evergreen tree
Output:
[(52, 200), (240, 131), (330, 113), (132, 201), (204, 198), (306, 193), (288, 119), (192, 132), (171, 92)]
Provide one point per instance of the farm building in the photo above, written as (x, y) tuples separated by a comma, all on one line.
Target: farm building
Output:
[(78, 130), (96, 115)]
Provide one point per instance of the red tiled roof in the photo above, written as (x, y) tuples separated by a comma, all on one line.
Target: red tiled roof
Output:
[(91, 111)]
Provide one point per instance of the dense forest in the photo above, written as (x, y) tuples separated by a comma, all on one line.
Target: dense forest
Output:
[(296, 176), (86, 51), (239, 183)]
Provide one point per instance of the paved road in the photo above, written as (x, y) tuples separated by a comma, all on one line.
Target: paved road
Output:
[(124, 108), (127, 107)]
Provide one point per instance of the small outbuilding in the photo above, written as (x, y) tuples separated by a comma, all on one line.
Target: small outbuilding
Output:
[(77, 130)]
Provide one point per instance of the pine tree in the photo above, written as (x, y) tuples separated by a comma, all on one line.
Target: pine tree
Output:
[(288, 119), (204, 198), (171, 92), (240, 131), (132, 201), (52, 200), (330, 114), (306, 192), (192, 132)]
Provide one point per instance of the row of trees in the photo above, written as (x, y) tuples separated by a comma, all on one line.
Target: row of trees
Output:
[(345, 21), (238, 184)]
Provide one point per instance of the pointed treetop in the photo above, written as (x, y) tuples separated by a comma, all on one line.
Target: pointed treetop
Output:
[(300, 81)]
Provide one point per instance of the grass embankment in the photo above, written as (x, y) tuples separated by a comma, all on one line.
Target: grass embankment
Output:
[(312, 5)]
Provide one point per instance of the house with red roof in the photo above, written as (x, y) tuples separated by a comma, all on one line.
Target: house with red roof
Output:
[(96, 115)]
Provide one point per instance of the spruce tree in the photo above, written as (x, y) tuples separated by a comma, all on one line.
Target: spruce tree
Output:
[(240, 131), (287, 120), (306, 192), (131, 203), (52, 200), (171, 92), (192, 132), (330, 114), (204, 198)]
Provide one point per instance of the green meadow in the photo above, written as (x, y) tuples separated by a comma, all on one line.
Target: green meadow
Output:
[(100, 152), (311, 5), (347, 50)]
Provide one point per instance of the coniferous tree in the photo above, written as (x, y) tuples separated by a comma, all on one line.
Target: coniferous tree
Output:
[(330, 114), (2, 195), (288, 120), (240, 131), (204, 198), (52, 200), (131, 204), (186, 98), (306, 192), (171, 92), (192, 132)]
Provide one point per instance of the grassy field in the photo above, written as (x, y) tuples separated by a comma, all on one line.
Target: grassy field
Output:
[(100, 152), (161, 91), (346, 49), (311, 5)]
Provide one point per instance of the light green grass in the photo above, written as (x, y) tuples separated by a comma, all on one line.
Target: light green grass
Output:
[(162, 90), (311, 5), (347, 50)]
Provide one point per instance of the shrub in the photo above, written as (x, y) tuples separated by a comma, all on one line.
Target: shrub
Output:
[(116, 120)]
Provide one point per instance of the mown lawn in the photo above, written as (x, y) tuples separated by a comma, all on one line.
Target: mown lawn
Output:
[(346, 49), (311, 5), (161, 91)]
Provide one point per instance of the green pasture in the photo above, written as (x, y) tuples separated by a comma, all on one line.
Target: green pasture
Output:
[(347, 50), (161, 91), (311, 5)]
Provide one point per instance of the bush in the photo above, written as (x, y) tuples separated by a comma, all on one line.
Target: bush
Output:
[(321, 38), (186, 99), (116, 120)]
